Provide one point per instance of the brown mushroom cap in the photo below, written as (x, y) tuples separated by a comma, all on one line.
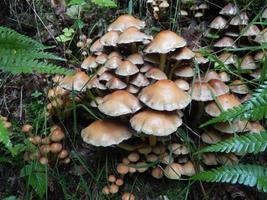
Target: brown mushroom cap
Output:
[(201, 91), (113, 62), (225, 42), (101, 58), (133, 157), (173, 171), (136, 59), (116, 83), (127, 196), (182, 84), (211, 75), (185, 71), (224, 77), (110, 38), (248, 63), (156, 74), (211, 137), (229, 10), (200, 59), (164, 42), (227, 159), (256, 127), (119, 103), (105, 133), (122, 169), (114, 54), (76, 82), (89, 63), (228, 58), (219, 87), (226, 101), (178, 149), (183, 54), (105, 76), (240, 19), (209, 159), (26, 128), (164, 95), (123, 22), (157, 173), (96, 46), (158, 123), (139, 80), (250, 30), (233, 127), (126, 68), (132, 35), (218, 23), (132, 89), (261, 37), (239, 87), (188, 169)]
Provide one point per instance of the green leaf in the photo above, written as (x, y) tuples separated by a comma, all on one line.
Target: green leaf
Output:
[(36, 177), (250, 175), (4, 136), (76, 2), (105, 3), (249, 143)]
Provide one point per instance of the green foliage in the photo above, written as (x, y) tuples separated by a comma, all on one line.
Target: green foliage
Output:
[(254, 109), (21, 54), (249, 143), (4, 136), (105, 3), (66, 35), (250, 175), (36, 177)]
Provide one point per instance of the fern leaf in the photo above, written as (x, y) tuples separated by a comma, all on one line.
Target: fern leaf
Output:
[(249, 143), (24, 65), (250, 175), (254, 109), (10, 39), (105, 3)]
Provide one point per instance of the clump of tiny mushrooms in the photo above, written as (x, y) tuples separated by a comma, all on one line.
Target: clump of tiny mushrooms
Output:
[(49, 148), (5, 122)]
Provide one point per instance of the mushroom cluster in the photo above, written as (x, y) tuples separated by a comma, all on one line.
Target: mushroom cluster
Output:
[(172, 161), (50, 148), (5, 122), (158, 6), (217, 88), (113, 186)]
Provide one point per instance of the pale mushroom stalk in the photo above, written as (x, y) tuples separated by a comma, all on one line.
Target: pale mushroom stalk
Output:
[(162, 61), (173, 69), (152, 140)]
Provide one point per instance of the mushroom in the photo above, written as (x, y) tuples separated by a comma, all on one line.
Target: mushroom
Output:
[(124, 22), (157, 173), (163, 43), (122, 169), (76, 82), (188, 169), (97, 47), (133, 157), (164, 95), (155, 74), (182, 84), (229, 10), (110, 38), (119, 103), (173, 171), (89, 63), (157, 123), (105, 133), (238, 87), (211, 137), (222, 103), (127, 196), (218, 23), (248, 63), (225, 42)]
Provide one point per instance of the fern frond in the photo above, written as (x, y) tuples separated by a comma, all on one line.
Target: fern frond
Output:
[(250, 175), (10, 39), (21, 54), (4, 136), (249, 143), (254, 109), (29, 54), (24, 65)]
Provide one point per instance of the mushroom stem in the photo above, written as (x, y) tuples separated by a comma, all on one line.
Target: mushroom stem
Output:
[(152, 140), (127, 147), (133, 47), (199, 113), (173, 69), (162, 61)]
